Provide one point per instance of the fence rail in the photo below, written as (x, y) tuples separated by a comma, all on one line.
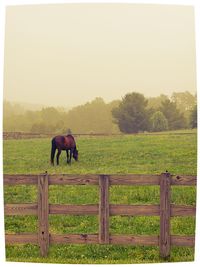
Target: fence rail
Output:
[(27, 135), (92, 179), (104, 210), (93, 209)]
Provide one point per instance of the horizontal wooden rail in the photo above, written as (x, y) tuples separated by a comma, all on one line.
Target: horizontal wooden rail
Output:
[(21, 209), (183, 180), (93, 209), (134, 179), (91, 179), (86, 179), (93, 239), (26, 135), (25, 238), (20, 179), (64, 209)]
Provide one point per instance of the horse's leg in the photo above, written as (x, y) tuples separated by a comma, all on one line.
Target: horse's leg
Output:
[(67, 151), (70, 155), (58, 155), (53, 151)]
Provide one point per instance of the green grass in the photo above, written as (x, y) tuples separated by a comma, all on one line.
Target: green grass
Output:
[(150, 154)]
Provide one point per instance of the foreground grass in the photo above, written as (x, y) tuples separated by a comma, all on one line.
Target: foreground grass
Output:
[(96, 254), (127, 154)]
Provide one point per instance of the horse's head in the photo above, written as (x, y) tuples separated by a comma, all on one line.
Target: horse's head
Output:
[(75, 154)]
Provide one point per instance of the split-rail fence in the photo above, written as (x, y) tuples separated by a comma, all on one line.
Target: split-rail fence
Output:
[(104, 210)]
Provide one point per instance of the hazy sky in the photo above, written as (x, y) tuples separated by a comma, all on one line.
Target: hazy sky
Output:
[(67, 54)]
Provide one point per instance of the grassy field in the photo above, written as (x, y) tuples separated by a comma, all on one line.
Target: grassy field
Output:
[(150, 154)]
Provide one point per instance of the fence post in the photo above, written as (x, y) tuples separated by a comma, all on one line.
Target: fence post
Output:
[(164, 239), (43, 213), (104, 209)]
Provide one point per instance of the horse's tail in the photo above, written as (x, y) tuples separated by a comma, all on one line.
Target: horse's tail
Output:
[(53, 150)]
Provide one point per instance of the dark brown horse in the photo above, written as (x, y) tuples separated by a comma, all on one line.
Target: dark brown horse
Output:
[(67, 143)]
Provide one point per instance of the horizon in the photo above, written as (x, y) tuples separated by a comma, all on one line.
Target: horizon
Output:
[(67, 108)]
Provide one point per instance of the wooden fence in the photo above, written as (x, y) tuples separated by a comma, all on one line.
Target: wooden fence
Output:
[(26, 135), (104, 209)]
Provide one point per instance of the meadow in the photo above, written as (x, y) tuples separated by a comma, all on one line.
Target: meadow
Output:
[(144, 154)]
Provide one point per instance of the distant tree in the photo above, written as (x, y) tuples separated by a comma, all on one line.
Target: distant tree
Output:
[(174, 117), (42, 127), (155, 103), (131, 115), (12, 108), (193, 117), (94, 116), (50, 115), (38, 128), (158, 122), (185, 101)]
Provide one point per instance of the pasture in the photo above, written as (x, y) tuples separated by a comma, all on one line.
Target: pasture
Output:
[(145, 154)]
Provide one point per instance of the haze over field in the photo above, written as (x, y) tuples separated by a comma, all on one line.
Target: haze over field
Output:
[(68, 54)]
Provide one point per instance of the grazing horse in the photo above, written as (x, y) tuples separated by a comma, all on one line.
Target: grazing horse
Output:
[(67, 143)]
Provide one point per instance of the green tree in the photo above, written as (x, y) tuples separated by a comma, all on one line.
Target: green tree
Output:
[(158, 122), (94, 116), (175, 118), (185, 103), (155, 103), (193, 117), (132, 114)]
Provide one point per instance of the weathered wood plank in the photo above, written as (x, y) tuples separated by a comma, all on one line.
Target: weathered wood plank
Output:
[(134, 179), (43, 213), (74, 239), (91, 179), (20, 179), (164, 241), (114, 239), (134, 210), (21, 239), (134, 240), (21, 209), (71, 179), (182, 210), (103, 209), (188, 241), (150, 210), (91, 209), (183, 241), (183, 180), (115, 209)]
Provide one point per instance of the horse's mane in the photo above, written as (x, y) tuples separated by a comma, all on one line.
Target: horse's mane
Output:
[(71, 136)]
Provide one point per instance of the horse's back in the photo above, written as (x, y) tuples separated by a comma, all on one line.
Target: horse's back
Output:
[(71, 140), (64, 141)]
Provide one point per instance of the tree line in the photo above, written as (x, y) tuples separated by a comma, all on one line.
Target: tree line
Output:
[(134, 113)]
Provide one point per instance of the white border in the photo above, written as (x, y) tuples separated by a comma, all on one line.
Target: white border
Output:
[(3, 4)]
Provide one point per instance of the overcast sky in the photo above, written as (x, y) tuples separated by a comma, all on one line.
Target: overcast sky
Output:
[(68, 54)]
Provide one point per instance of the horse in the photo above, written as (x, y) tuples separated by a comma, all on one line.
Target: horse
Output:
[(67, 143)]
